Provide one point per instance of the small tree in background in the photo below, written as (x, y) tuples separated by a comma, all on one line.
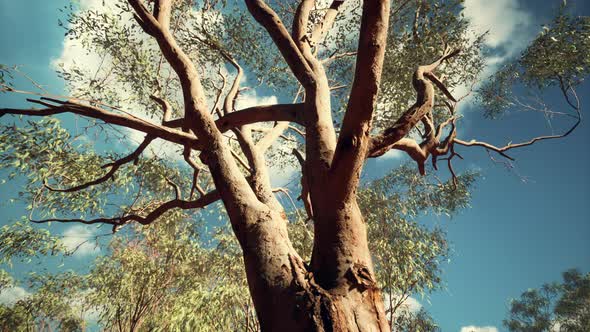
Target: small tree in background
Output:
[(553, 307)]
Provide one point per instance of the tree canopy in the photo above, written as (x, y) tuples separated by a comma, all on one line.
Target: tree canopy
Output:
[(554, 306), (168, 277), (354, 81)]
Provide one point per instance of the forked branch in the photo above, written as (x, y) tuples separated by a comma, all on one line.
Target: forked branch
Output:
[(354, 139), (282, 39), (422, 81), (575, 105)]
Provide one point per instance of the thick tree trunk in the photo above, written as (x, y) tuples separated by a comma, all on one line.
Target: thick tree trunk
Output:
[(289, 296)]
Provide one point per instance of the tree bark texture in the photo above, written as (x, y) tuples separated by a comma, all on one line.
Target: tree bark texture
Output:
[(337, 290)]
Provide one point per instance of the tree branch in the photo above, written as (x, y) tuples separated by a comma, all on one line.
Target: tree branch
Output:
[(286, 45), (124, 120), (263, 113), (158, 27), (277, 131), (196, 171), (354, 135), (167, 110), (133, 157), (503, 149), (321, 28), (421, 81), (300, 21), (149, 218)]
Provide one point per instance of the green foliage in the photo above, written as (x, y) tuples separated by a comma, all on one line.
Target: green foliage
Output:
[(52, 305), (553, 307), (419, 322), (174, 275), (164, 278), (15, 319), (6, 280), (573, 307), (412, 44), (558, 56), (21, 240), (407, 255), (5, 77), (45, 152)]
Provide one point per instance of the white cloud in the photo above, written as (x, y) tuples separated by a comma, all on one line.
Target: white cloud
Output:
[(473, 328), (11, 295), (504, 21), (392, 154), (509, 31), (80, 238), (250, 99), (409, 305), (92, 4), (281, 175), (73, 52), (74, 55)]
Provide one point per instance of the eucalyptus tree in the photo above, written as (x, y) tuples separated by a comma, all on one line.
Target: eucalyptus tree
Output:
[(175, 276), (167, 59), (53, 305), (554, 306)]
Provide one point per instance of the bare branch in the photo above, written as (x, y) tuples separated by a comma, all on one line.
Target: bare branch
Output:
[(300, 21), (167, 110), (354, 136), (321, 28), (177, 191), (264, 113), (503, 149), (196, 171), (277, 131), (337, 56), (241, 161), (265, 142), (305, 192), (286, 45), (124, 120), (215, 108), (133, 157), (383, 142), (149, 218)]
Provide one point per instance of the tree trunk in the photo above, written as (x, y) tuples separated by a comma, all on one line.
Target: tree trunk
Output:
[(290, 296)]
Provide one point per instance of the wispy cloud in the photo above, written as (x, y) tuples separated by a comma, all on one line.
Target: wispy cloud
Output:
[(80, 239), (509, 31), (250, 99), (504, 20), (392, 154), (409, 305), (473, 328), (11, 295)]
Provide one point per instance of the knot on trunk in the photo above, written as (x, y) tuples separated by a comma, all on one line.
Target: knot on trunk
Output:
[(205, 157), (360, 277)]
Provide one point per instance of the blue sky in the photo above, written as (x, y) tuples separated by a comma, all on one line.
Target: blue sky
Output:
[(517, 234)]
